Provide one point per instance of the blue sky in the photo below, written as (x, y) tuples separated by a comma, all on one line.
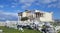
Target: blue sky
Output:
[(10, 8)]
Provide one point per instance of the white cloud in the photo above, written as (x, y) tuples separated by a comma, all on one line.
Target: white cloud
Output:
[(18, 11), (9, 13), (13, 3), (52, 5), (47, 1), (27, 1), (1, 6), (13, 6), (53, 0), (2, 18), (26, 5), (58, 5), (23, 7)]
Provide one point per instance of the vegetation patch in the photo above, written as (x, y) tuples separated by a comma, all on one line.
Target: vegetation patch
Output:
[(11, 30)]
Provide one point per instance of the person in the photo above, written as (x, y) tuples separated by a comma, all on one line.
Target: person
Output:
[(51, 29), (1, 31), (44, 30), (20, 28), (36, 25)]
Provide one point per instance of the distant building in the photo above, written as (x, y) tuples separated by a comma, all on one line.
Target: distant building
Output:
[(2, 23), (36, 15)]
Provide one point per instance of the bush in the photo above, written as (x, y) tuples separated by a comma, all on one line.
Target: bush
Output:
[(24, 18)]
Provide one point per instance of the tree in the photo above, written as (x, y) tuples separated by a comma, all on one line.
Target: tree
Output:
[(24, 18)]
